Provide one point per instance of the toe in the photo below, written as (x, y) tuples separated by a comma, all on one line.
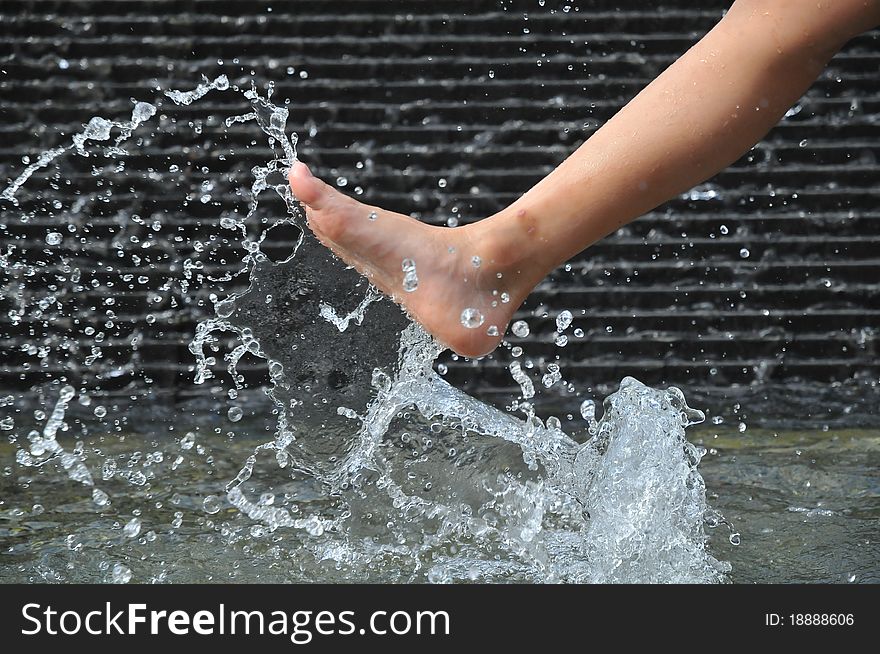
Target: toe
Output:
[(307, 188)]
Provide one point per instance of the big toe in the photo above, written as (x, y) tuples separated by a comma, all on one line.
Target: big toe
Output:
[(307, 188), (328, 212)]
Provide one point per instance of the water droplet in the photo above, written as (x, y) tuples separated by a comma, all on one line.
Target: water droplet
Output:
[(410, 277), (723, 229), (314, 526), (552, 375), (579, 333), (187, 441), (373, 215), (525, 384), (441, 183), (53, 238), (121, 574), (100, 411), (803, 143), (100, 498), (212, 504), (505, 298), (744, 253), (476, 261), (492, 331), (234, 414), (132, 528), (588, 410), (735, 539), (563, 320), (520, 328), (452, 221), (561, 340), (471, 318), (267, 499)]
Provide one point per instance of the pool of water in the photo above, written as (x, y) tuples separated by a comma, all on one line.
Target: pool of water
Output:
[(806, 506)]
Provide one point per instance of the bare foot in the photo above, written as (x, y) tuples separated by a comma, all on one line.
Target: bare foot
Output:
[(461, 284)]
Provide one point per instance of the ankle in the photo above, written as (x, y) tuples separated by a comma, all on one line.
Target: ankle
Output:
[(511, 241)]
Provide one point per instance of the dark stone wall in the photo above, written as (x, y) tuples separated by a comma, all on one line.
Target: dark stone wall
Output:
[(445, 108)]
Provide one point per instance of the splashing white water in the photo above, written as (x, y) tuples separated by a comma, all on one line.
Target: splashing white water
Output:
[(97, 129), (329, 314), (45, 447), (414, 470), (220, 83)]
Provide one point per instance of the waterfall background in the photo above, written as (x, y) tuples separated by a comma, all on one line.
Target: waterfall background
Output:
[(756, 292)]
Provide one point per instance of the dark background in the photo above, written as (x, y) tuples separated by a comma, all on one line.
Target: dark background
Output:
[(488, 96)]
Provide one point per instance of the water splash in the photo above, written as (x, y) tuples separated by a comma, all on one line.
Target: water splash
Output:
[(645, 497), (97, 129), (329, 314), (220, 83), (45, 447), (413, 478)]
